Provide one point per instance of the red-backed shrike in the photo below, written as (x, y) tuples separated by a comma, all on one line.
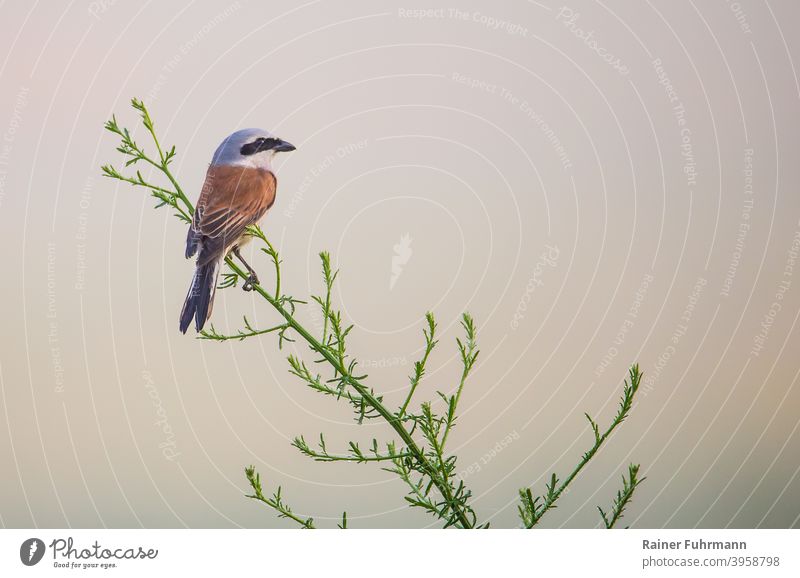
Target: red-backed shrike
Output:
[(238, 191)]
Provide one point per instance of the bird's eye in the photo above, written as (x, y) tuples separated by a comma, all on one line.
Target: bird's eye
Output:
[(259, 145)]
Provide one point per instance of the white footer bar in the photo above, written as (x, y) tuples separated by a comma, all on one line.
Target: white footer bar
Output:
[(385, 553)]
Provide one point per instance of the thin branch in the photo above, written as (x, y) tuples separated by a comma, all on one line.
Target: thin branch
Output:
[(624, 496), (165, 159), (241, 335), (419, 366), (469, 354), (356, 454), (531, 510), (275, 501)]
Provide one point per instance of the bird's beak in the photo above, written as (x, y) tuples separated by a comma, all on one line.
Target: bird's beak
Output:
[(283, 147)]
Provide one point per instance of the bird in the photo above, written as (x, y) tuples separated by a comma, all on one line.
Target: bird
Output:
[(238, 190)]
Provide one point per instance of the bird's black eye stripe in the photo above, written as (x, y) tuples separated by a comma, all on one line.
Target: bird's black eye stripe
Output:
[(258, 145)]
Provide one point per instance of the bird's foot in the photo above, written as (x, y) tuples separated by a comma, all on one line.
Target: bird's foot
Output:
[(250, 283)]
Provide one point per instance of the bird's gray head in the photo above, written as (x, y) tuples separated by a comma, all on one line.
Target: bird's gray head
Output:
[(250, 147)]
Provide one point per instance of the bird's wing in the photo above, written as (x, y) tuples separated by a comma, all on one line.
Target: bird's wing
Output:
[(232, 198)]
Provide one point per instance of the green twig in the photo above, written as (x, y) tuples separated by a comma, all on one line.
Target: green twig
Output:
[(356, 454), (623, 498), (241, 335), (531, 510), (275, 501), (469, 354), (419, 366)]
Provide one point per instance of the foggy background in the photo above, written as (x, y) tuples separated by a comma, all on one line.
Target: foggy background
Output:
[(598, 183)]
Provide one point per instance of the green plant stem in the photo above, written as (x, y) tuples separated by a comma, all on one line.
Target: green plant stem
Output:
[(419, 367), (304, 522), (212, 335), (363, 391), (334, 458), (449, 425), (623, 497), (256, 231), (163, 165), (146, 185), (625, 406), (276, 501)]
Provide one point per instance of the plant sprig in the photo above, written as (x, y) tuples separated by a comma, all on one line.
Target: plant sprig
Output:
[(275, 501), (355, 453), (241, 334), (623, 497), (418, 456), (533, 508)]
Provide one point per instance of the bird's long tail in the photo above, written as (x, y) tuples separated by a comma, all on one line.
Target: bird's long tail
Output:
[(200, 298)]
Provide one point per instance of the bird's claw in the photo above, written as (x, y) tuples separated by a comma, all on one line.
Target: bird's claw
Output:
[(250, 283)]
